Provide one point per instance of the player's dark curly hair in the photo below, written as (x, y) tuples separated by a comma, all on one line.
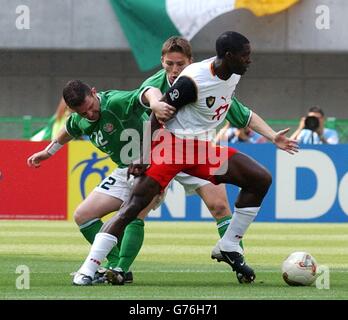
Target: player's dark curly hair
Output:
[(75, 93), (230, 41)]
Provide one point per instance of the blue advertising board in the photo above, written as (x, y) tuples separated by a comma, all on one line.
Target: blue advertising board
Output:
[(311, 186)]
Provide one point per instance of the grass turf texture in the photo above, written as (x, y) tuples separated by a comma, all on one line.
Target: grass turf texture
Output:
[(174, 262)]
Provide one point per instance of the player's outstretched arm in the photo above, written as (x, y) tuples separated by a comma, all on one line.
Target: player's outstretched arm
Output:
[(62, 138), (278, 138)]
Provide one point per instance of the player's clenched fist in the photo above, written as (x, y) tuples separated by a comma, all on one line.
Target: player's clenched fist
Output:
[(35, 159)]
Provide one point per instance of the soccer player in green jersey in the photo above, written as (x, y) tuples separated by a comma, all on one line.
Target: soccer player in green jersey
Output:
[(103, 117)]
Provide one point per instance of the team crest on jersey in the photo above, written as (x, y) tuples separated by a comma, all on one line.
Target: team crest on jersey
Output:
[(108, 127), (210, 101)]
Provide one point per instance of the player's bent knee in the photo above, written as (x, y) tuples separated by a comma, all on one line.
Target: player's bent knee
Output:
[(143, 214), (79, 216), (131, 212), (126, 218), (265, 181), (219, 210)]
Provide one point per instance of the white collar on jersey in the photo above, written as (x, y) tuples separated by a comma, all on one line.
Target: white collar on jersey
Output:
[(168, 81)]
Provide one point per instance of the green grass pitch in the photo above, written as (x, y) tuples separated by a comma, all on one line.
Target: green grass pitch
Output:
[(174, 262)]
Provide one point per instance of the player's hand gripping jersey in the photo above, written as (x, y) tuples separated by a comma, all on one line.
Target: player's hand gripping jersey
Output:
[(238, 114)]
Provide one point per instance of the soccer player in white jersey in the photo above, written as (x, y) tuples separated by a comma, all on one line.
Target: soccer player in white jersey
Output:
[(201, 95)]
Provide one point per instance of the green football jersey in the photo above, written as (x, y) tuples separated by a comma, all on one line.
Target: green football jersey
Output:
[(119, 110), (158, 80), (238, 114)]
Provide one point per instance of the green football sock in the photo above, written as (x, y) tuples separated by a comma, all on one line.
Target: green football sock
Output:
[(89, 231), (131, 243), (222, 225)]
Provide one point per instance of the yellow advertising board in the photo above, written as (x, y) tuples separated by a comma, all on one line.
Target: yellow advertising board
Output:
[(87, 167)]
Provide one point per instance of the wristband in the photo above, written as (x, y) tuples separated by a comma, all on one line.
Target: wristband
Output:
[(53, 147)]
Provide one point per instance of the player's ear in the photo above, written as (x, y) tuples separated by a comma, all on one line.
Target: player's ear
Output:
[(229, 55), (93, 91)]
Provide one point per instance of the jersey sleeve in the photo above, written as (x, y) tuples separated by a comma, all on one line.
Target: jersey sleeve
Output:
[(238, 114), (72, 126), (158, 80), (182, 92)]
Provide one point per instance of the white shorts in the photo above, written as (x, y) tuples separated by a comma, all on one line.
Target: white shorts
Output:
[(190, 183), (116, 184)]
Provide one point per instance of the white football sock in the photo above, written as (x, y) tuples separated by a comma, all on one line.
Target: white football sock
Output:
[(102, 245), (241, 219)]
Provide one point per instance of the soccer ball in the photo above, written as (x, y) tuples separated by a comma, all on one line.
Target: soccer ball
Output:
[(299, 269)]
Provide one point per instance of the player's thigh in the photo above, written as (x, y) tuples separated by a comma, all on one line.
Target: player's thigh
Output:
[(243, 171), (96, 205), (213, 160), (107, 197), (215, 198)]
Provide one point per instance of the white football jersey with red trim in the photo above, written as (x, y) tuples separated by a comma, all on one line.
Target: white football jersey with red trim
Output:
[(201, 118)]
